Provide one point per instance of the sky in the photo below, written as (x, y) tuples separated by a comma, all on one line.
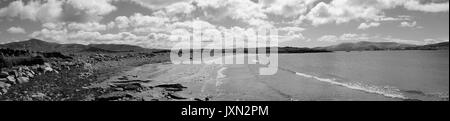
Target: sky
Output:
[(151, 23)]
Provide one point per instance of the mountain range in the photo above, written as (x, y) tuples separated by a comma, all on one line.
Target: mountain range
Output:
[(371, 46), (39, 45)]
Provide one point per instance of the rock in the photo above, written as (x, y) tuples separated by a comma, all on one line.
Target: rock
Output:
[(148, 99), (32, 72), (13, 73), (3, 80), (48, 69), (175, 96), (4, 85), (29, 74), (129, 86), (118, 89), (38, 95), (123, 78), (85, 74), (133, 81), (113, 96), (172, 87), (22, 80), (47, 65), (197, 99), (4, 74), (11, 79), (3, 91)]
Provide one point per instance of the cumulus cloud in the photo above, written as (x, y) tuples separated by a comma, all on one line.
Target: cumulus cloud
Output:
[(287, 8), (90, 26), (47, 11), (153, 40), (341, 11), (242, 10), (368, 25), (328, 38), (142, 23), (408, 24), (156, 4), (344, 37), (16, 30), (179, 8), (93, 7), (82, 20), (430, 7), (58, 10)]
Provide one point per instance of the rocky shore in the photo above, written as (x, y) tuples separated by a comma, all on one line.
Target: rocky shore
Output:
[(69, 79)]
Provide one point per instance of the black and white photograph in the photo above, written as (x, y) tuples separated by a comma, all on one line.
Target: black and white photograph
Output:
[(224, 51)]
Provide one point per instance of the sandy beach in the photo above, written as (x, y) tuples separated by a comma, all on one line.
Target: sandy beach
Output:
[(239, 82)]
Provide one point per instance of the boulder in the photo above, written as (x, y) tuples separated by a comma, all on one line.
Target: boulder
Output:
[(4, 74), (4, 80), (4, 85), (38, 95), (11, 79), (3, 91), (22, 80), (29, 74), (129, 86), (48, 69), (13, 73), (32, 72), (172, 87), (113, 96), (47, 65)]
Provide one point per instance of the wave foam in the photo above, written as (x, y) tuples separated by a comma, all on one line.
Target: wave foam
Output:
[(385, 91)]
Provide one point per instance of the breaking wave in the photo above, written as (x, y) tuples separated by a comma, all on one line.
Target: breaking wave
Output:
[(385, 91)]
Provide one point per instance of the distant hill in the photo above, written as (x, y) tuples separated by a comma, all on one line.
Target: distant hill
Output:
[(437, 46), (39, 45), (118, 47), (367, 46), (96, 50)]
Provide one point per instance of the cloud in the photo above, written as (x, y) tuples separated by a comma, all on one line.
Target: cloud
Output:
[(430, 7), (16, 30), (408, 24), (142, 23), (241, 10), (156, 4), (47, 11), (90, 26), (342, 11), (122, 22), (58, 10), (179, 8), (93, 7), (328, 38), (344, 37), (287, 8), (364, 26)]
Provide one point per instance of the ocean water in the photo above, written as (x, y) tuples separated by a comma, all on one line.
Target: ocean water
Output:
[(401, 75)]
